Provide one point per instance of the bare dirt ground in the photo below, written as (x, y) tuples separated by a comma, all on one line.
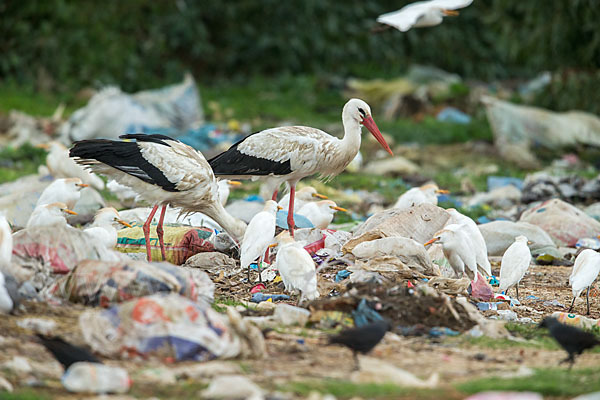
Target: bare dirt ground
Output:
[(301, 354)]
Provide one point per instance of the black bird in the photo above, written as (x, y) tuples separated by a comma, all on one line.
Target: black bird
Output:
[(362, 339), (66, 353), (570, 338)]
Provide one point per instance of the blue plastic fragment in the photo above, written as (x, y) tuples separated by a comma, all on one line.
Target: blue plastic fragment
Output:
[(341, 275), (451, 114), (438, 331), (300, 220), (495, 182), (364, 314), (494, 281), (532, 297), (255, 197), (483, 220), (260, 297)]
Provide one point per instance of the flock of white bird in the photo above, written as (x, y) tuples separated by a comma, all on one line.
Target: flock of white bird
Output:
[(167, 173)]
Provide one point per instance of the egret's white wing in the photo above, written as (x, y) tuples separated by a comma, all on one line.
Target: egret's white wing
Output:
[(406, 17), (259, 234), (585, 271), (450, 4), (514, 265)]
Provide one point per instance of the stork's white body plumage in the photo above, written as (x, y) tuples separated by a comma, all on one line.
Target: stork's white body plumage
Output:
[(514, 265), (458, 249), (49, 215), (66, 191), (294, 152), (296, 268), (259, 234), (422, 14), (320, 213), (163, 171), (103, 230), (584, 273), (61, 165), (419, 195), (476, 237)]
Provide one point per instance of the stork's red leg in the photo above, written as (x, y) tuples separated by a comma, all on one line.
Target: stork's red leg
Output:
[(290, 217), (274, 197), (159, 232), (146, 229)]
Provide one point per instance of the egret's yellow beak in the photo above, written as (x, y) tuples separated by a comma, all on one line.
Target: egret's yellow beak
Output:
[(450, 13), (273, 245), (279, 207), (82, 185), (338, 208), (442, 191), (431, 241), (234, 183), (319, 196), (44, 146), (69, 211), (529, 242), (123, 223)]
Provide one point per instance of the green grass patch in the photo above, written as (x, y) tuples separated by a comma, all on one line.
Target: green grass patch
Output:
[(18, 162), (548, 382), (26, 394), (221, 303), (30, 101), (346, 389)]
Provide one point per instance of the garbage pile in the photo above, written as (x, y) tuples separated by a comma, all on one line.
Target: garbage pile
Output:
[(76, 273)]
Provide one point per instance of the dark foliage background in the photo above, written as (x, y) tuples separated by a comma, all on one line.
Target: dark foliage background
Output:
[(140, 43)]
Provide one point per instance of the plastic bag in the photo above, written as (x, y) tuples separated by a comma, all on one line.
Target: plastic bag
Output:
[(181, 242), (100, 283), (170, 327)]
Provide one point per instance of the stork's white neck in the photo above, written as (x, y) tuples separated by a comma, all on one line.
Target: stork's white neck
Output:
[(352, 131)]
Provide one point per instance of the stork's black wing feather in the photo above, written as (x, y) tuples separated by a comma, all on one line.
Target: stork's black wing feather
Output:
[(66, 353), (234, 162), (124, 156), (154, 138)]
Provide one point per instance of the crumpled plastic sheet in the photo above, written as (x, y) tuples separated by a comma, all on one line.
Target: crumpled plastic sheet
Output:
[(111, 112), (364, 314), (60, 248), (101, 283), (170, 327)]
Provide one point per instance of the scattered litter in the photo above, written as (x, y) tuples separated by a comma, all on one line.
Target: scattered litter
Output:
[(553, 303), (286, 314), (233, 387), (101, 283), (96, 378), (260, 297), (38, 325), (341, 275), (373, 370), (169, 326), (579, 321)]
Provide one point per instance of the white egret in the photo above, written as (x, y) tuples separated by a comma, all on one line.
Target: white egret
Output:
[(514, 265), (296, 267), (584, 273), (66, 191), (49, 215), (422, 14), (415, 196), (103, 230), (480, 248), (458, 249), (259, 235), (61, 165), (320, 213)]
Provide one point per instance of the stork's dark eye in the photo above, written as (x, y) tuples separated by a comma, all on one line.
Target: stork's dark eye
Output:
[(363, 113)]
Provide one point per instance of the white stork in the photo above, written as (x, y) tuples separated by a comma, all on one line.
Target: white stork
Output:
[(422, 14), (294, 152), (163, 171)]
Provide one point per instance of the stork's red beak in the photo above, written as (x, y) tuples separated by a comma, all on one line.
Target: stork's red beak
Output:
[(372, 127)]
